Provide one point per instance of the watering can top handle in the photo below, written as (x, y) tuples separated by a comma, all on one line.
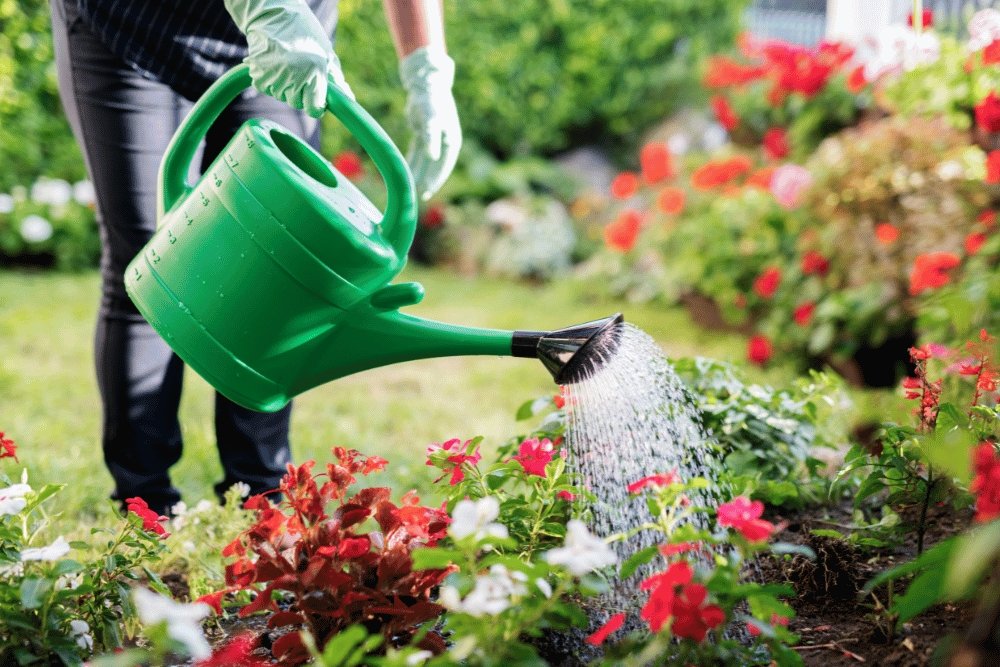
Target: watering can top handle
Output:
[(399, 219)]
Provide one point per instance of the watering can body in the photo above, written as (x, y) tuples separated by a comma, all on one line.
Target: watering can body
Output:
[(271, 274)]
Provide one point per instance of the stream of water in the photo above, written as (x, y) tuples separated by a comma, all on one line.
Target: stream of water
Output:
[(630, 417)]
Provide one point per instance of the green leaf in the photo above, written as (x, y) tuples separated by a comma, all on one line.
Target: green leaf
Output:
[(826, 532), (342, 644), (789, 548), (66, 567), (972, 559), (34, 591), (432, 558), (637, 560)]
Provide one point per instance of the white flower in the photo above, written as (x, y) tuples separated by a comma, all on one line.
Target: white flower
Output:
[(52, 191), (54, 551), (583, 552), (182, 620), (418, 658), (984, 28), (12, 499), (203, 506), (6, 203), (491, 594), (678, 143), (243, 488), (544, 586), (35, 229), (476, 518), (83, 193), (898, 48), (81, 631)]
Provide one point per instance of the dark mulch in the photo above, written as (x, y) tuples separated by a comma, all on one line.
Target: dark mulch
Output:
[(837, 623)]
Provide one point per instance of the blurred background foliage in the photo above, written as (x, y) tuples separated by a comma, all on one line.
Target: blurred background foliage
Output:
[(541, 77), (35, 139)]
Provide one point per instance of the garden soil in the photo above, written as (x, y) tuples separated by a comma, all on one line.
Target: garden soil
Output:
[(836, 623)]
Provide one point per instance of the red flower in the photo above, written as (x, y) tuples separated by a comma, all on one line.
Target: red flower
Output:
[(692, 617), (150, 519), (235, 653), (724, 72), (814, 263), (762, 178), (668, 550), (456, 458), (775, 620), (373, 464), (743, 515), (776, 143), (349, 164), (974, 241), (993, 167), (991, 54), (654, 158), (986, 483), (534, 454), (613, 625), (566, 495), (927, 19), (988, 113), (724, 112), (670, 200), (660, 606), (8, 450), (930, 271), (803, 313), (856, 80), (624, 185), (433, 217), (759, 350), (886, 233), (622, 234), (657, 481), (720, 172), (987, 219), (767, 282)]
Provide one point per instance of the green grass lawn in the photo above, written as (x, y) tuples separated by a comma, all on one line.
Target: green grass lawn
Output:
[(49, 402)]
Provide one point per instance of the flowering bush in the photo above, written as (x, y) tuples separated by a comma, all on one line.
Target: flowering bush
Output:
[(54, 606), (876, 235), (51, 223), (784, 96)]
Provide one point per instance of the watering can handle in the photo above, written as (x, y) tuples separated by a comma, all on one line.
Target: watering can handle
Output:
[(400, 217)]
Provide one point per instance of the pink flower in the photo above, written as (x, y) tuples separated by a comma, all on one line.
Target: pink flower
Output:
[(759, 349), (349, 164), (534, 454), (788, 184), (743, 515), (566, 495), (657, 481), (456, 457)]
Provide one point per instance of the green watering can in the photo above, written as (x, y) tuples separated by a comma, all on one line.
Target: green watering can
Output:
[(271, 275)]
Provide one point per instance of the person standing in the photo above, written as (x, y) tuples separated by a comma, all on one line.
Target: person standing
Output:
[(128, 71)]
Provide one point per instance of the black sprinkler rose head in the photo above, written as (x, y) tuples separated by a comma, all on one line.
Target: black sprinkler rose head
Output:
[(573, 353)]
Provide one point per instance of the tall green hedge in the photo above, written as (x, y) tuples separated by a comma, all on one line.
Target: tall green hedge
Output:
[(539, 76), (534, 76), (35, 139)]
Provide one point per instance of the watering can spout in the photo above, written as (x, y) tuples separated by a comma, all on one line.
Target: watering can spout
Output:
[(573, 353)]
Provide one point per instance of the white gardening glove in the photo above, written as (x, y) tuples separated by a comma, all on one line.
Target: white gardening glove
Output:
[(427, 76), (290, 55)]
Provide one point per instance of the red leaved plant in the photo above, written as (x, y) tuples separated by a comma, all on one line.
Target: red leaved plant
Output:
[(336, 574)]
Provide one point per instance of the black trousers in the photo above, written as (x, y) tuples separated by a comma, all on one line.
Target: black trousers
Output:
[(123, 123)]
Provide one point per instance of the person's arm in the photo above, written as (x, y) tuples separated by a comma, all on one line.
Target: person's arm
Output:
[(414, 23), (427, 73)]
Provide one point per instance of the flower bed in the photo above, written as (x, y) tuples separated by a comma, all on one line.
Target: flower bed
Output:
[(851, 254)]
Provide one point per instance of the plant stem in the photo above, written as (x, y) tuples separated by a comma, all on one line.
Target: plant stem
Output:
[(922, 525)]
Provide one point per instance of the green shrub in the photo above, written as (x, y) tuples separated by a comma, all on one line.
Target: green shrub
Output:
[(34, 136), (541, 77)]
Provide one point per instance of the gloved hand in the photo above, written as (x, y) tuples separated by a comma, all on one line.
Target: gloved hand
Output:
[(427, 76), (290, 55)]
